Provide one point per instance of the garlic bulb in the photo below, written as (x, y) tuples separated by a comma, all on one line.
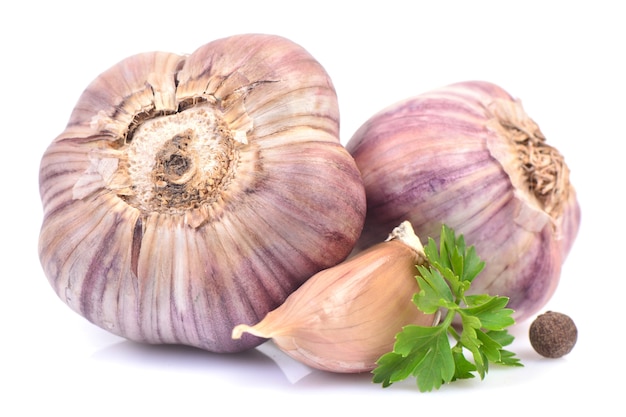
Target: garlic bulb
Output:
[(191, 193), (345, 317), (468, 156)]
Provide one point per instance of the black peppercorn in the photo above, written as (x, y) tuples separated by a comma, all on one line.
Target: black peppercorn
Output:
[(553, 334)]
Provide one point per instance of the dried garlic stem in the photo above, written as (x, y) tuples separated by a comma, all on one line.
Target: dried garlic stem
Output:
[(405, 233)]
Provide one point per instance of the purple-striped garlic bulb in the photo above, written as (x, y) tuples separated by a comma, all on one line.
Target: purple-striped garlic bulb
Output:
[(191, 193), (467, 155)]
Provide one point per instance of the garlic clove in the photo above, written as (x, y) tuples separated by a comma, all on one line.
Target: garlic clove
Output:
[(467, 155), (190, 193), (345, 317)]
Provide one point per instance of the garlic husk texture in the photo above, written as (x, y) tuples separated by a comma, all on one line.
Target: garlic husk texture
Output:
[(468, 156), (345, 317), (191, 193)]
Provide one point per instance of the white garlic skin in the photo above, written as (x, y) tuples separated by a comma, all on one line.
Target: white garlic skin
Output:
[(345, 317), (174, 239), (446, 156)]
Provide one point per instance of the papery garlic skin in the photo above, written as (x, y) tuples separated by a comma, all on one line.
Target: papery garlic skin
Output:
[(468, 156), (191, 193), (345, 317)]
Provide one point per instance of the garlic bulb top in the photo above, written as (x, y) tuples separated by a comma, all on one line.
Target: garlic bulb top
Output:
[(191, 193), (468, 156)]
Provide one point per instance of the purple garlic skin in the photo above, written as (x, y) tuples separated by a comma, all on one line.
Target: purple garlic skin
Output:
[(191, 193), (468, 156)]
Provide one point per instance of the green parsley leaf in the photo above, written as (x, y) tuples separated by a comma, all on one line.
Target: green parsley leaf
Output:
[(425, 352), (463, 368), (434, 292)]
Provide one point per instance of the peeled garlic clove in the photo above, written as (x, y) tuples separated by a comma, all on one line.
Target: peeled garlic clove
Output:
[(345, 317), (468, 156), (191, 193)]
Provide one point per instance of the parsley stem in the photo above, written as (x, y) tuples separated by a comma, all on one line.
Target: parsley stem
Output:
[(447, 321), (452, 331), (447, 324)]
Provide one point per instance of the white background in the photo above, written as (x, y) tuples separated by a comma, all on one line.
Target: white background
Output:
[(565, 60)]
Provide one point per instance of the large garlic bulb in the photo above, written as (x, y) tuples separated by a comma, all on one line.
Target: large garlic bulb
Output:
[(191, 193), (467, 155)]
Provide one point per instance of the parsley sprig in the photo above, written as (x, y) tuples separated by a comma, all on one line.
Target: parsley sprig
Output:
[(426, 352)]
